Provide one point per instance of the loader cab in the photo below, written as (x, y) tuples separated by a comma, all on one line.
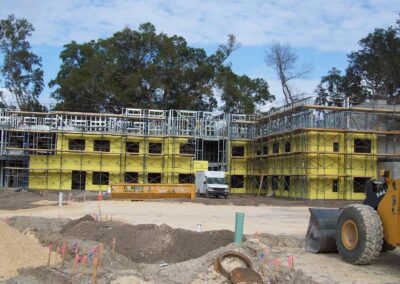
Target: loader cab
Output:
[(374, 192)]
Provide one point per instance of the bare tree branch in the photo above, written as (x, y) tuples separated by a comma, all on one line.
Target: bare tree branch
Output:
[(282, 58)]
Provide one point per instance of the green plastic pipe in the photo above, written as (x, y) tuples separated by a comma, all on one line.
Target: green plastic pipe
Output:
[(239, 221)]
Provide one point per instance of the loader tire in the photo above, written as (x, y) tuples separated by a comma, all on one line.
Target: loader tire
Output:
[(359, 234)]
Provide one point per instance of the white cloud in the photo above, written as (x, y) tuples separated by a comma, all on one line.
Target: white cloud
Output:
[(7, 96), (333, 25), (298, 86)]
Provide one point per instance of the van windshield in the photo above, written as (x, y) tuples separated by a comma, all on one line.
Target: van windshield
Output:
[(215, 180)]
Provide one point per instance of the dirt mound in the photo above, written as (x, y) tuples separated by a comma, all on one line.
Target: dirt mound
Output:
[(73, 223), (13, 200), (282, 240), (44, 275), (150, 243), (18, 251)]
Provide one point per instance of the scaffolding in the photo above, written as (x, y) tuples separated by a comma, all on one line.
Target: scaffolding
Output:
[(299, 150), (91, 151), (309, 151)]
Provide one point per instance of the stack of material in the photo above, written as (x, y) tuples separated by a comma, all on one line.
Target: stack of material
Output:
[(142, 191)]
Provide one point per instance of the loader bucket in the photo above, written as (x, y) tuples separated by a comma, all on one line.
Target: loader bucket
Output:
[(322, 229)]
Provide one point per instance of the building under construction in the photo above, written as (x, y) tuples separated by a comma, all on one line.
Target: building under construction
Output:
[(299, 150)]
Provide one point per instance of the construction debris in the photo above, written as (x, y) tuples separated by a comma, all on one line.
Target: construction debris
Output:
[(238, 274)]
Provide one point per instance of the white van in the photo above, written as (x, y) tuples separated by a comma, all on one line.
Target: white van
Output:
[(211, 183)]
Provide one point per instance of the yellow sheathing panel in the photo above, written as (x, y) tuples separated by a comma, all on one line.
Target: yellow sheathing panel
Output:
[(133, 163), (200, 166)]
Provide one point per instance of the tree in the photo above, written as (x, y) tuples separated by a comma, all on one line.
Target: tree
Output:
[(283, 59), (21, 68), (377, 63), (337, 90), (242, 94), (373, 72), (330, 91), (141, 69)]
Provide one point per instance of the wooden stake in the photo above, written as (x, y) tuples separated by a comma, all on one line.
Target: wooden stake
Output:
[(94, 277), (113, 246), (100, 212), (101, 250), (291, 261), (57, 252), (277, 264), (259, 188), (84, 260), (50, 249), (63, 251), (76, 261)]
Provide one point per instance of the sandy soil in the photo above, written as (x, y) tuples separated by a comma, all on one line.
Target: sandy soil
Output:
[(266, 219), (253, 200), (280, 229), (11, 199), (18, 251)]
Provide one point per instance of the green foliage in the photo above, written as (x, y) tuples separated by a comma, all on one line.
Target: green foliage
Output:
[(335, 88), (378, 63), (21, 68), (240, 93), (331, 89), (373, 72), (145, 69)]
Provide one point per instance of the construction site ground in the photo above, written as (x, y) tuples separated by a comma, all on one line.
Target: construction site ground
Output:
[(158, 242)]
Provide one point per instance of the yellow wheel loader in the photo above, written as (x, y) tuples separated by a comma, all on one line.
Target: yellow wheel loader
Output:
[(359, 232)]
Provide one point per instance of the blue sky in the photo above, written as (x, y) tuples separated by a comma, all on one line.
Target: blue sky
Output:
[(322, 32)]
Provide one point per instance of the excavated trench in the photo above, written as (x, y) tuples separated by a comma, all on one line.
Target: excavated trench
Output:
[(148, 243)]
